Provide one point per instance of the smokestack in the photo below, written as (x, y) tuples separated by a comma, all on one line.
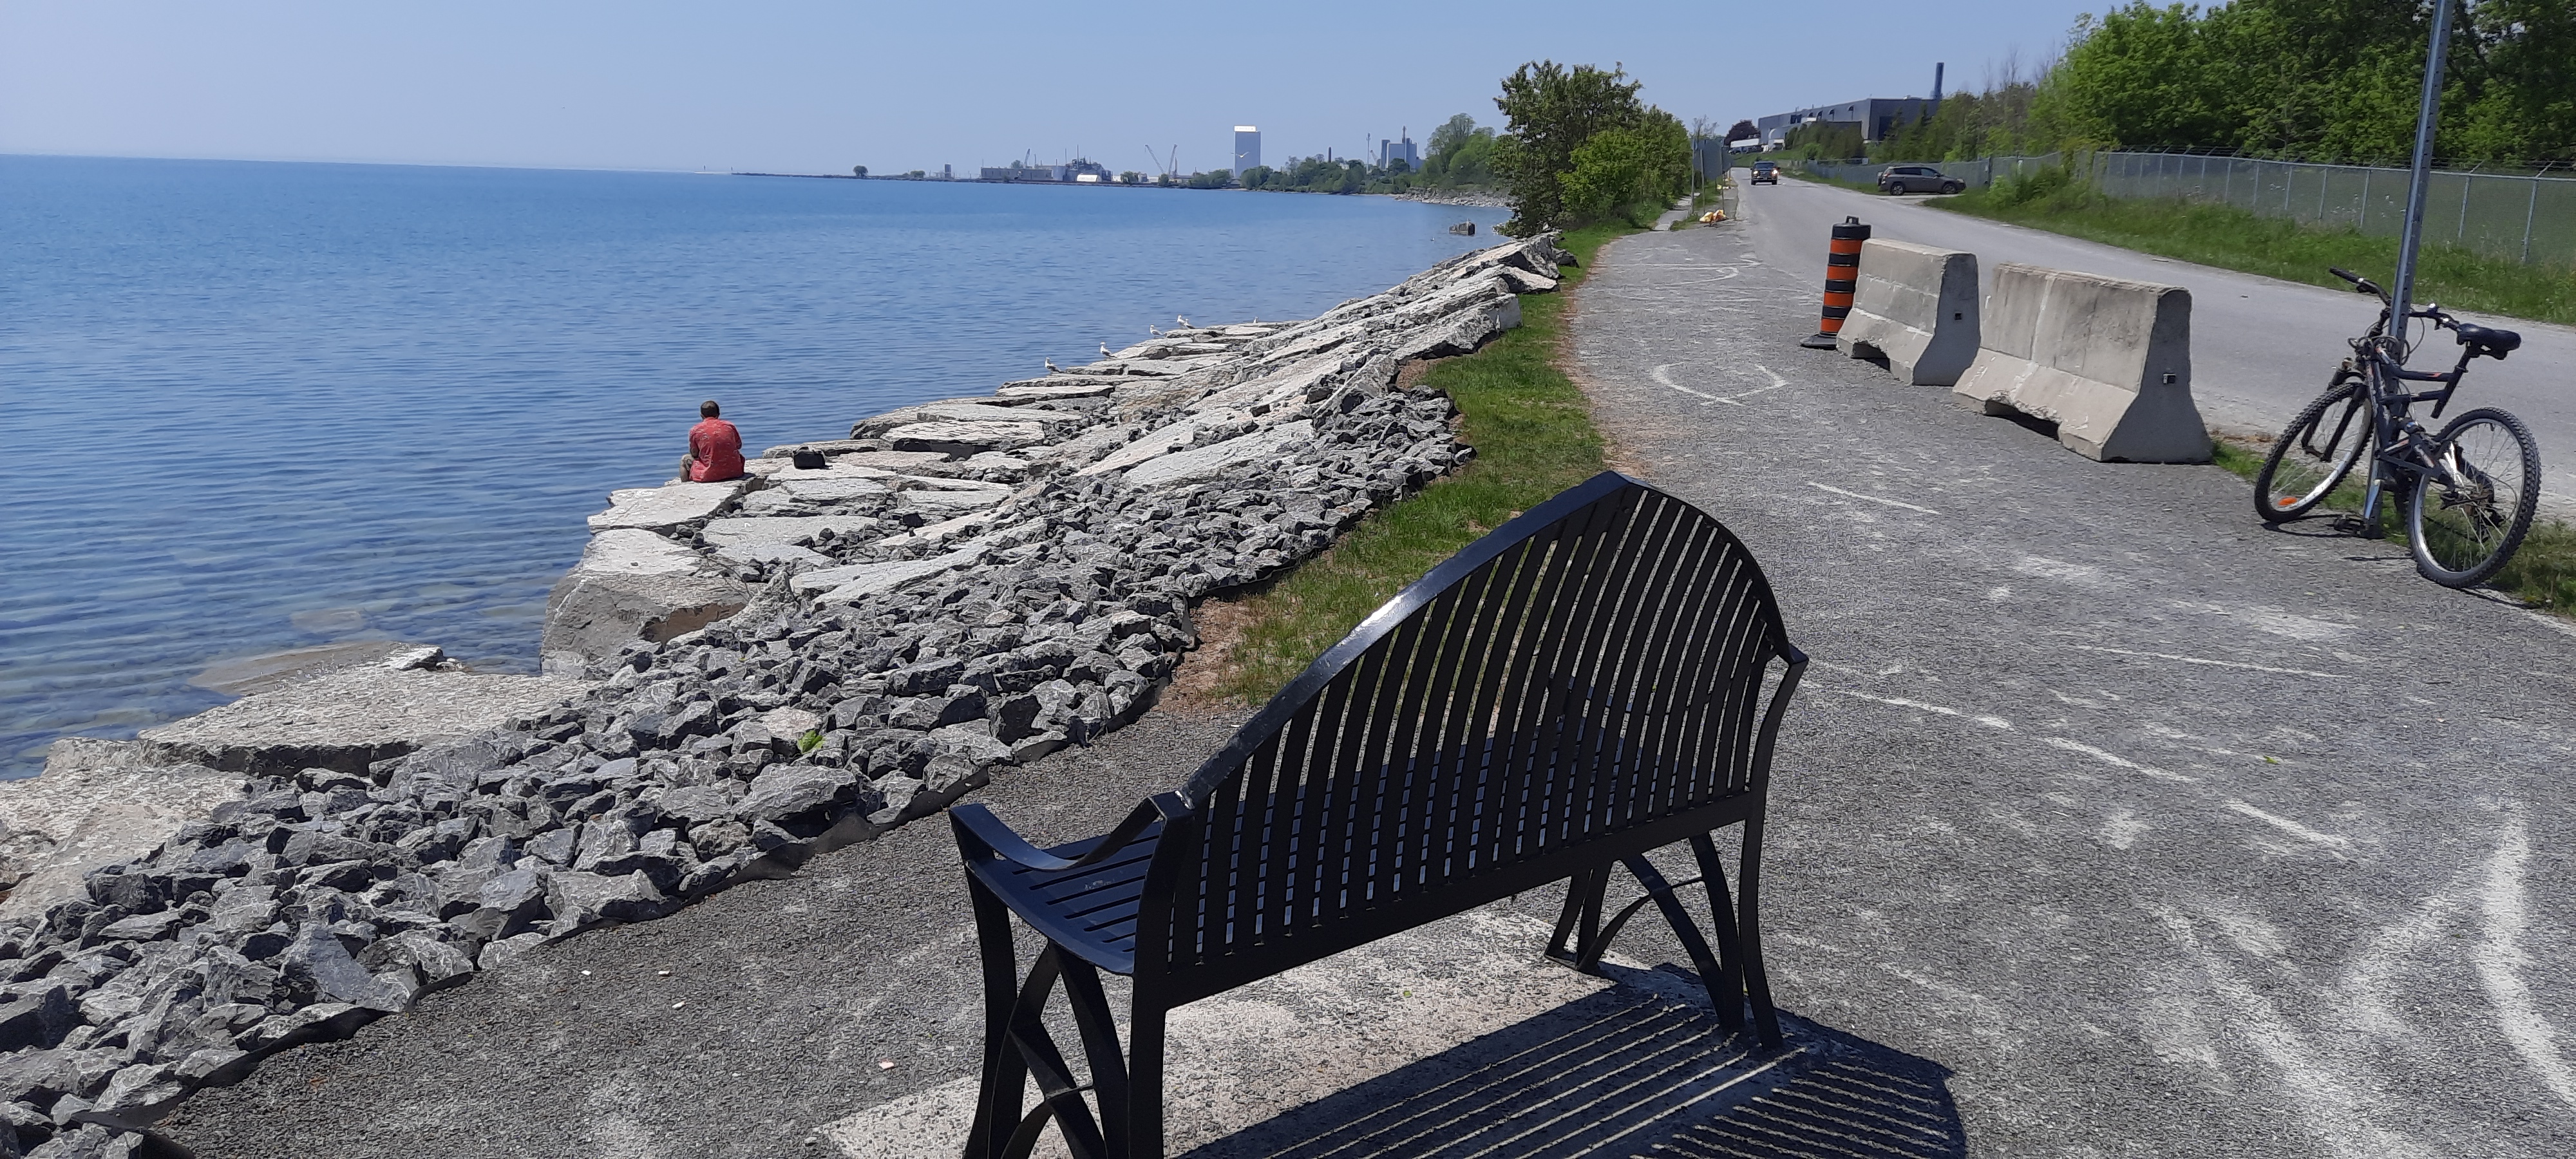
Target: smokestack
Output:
[(1937, 66)]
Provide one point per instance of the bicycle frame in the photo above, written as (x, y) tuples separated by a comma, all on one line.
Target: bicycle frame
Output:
[(2397, 438)]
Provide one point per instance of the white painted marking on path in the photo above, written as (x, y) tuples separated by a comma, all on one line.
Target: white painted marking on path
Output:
[(2309, 1078), (2216, 663), (1871, 498), (2288, 826), (2115, 760), (1663, 374), (1900, 702), (2500, 959)]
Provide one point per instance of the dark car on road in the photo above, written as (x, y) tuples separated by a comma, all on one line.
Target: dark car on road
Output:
[(1917, 179), (1766, 173)]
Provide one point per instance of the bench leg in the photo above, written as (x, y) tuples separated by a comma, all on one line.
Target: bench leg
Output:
[(1018, 1046), (1733, 973), (997, 1103), (1578, 924), (1745, 952)]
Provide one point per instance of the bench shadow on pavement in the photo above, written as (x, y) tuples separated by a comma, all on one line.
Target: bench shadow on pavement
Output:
[(1629, 1072)]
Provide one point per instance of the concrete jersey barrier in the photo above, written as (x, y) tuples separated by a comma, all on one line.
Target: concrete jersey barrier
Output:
[(2107, 360), (1916, 306)]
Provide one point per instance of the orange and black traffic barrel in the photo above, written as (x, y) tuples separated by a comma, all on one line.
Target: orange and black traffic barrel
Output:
[(1842, 276)]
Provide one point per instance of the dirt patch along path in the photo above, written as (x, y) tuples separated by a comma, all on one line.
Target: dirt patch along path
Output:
[(2166, 832)]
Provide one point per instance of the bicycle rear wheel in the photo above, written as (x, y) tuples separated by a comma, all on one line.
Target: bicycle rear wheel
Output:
[(2315, 453), (2467, 520)]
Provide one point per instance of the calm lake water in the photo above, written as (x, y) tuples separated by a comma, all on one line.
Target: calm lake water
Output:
[(251, 406)]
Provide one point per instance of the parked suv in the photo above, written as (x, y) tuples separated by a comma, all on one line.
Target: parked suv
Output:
[(1766, 173), (1917, 179)]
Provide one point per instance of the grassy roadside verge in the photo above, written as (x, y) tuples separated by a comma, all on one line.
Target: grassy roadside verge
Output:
[(2236, 239), (2541, 574), (1533, 434)]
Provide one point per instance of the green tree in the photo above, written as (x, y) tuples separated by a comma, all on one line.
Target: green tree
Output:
[(858, 170), (2324, 80), (1629, 170), (1551, 111), (1742, 130)]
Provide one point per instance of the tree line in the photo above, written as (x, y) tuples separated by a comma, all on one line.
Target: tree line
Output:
[(2316, 80), (1579, 147)]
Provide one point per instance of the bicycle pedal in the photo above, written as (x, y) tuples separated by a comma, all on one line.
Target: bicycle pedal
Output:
[(2356, 525)]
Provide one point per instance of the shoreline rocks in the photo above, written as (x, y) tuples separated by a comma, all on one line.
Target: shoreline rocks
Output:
[(740, 676)]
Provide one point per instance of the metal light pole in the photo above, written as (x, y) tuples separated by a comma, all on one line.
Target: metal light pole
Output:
[(2404, 292)]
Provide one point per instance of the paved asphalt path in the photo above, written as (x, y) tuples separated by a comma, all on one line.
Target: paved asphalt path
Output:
[(2167, 833), (2029, 824), (2261, 348)]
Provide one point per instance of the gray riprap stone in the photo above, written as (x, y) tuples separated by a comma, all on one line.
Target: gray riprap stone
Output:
[(966, 438), (787, 792), (317, 959), (666, 506), (636, 551), (1218, 458)]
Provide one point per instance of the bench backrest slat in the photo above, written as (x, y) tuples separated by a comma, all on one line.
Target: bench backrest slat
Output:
[(1594, 666)]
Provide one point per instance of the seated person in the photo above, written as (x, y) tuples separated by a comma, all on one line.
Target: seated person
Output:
[(715, 448)]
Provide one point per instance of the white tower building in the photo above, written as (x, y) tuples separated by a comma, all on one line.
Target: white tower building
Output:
[(1247, 148)]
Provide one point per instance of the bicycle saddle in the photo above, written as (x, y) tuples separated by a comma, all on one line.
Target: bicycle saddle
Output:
[(2495, 342)]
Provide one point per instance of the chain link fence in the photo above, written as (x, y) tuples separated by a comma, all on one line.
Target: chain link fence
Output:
[(2513, 217)]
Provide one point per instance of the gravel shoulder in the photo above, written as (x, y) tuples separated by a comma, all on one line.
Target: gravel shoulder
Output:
[(2167, 833)]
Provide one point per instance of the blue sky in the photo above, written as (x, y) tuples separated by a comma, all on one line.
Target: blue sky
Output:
[(806, 86)]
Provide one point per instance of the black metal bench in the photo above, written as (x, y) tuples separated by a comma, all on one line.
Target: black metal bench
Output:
[(1579, 687)]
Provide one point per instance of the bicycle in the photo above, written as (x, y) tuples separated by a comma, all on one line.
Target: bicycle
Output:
[(2469, 492)]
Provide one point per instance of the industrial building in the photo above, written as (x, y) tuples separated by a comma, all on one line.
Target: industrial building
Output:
[(1076, 171), (1400, 149), (1878, 117)]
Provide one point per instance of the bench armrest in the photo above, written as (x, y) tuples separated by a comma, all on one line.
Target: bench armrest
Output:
[(977, 824)]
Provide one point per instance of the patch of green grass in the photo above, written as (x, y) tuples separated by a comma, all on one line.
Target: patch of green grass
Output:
[(2236, 239), (2542, 572), (1533, 433)]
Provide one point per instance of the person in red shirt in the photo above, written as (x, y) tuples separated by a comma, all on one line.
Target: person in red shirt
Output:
[(715, 448)]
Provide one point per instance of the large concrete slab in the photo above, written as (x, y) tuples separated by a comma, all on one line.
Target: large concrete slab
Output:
[(1916, 307), (956, 438), (350, 718), (97, 803), (2105, 359), (786, 537), (1218, 458), (667, 506)]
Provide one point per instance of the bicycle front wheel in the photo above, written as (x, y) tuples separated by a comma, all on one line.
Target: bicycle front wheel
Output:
[(2467, 519), (2312, 457)]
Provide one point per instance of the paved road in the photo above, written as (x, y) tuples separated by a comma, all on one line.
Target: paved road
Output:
[(2260, 347), (2168, 834)]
